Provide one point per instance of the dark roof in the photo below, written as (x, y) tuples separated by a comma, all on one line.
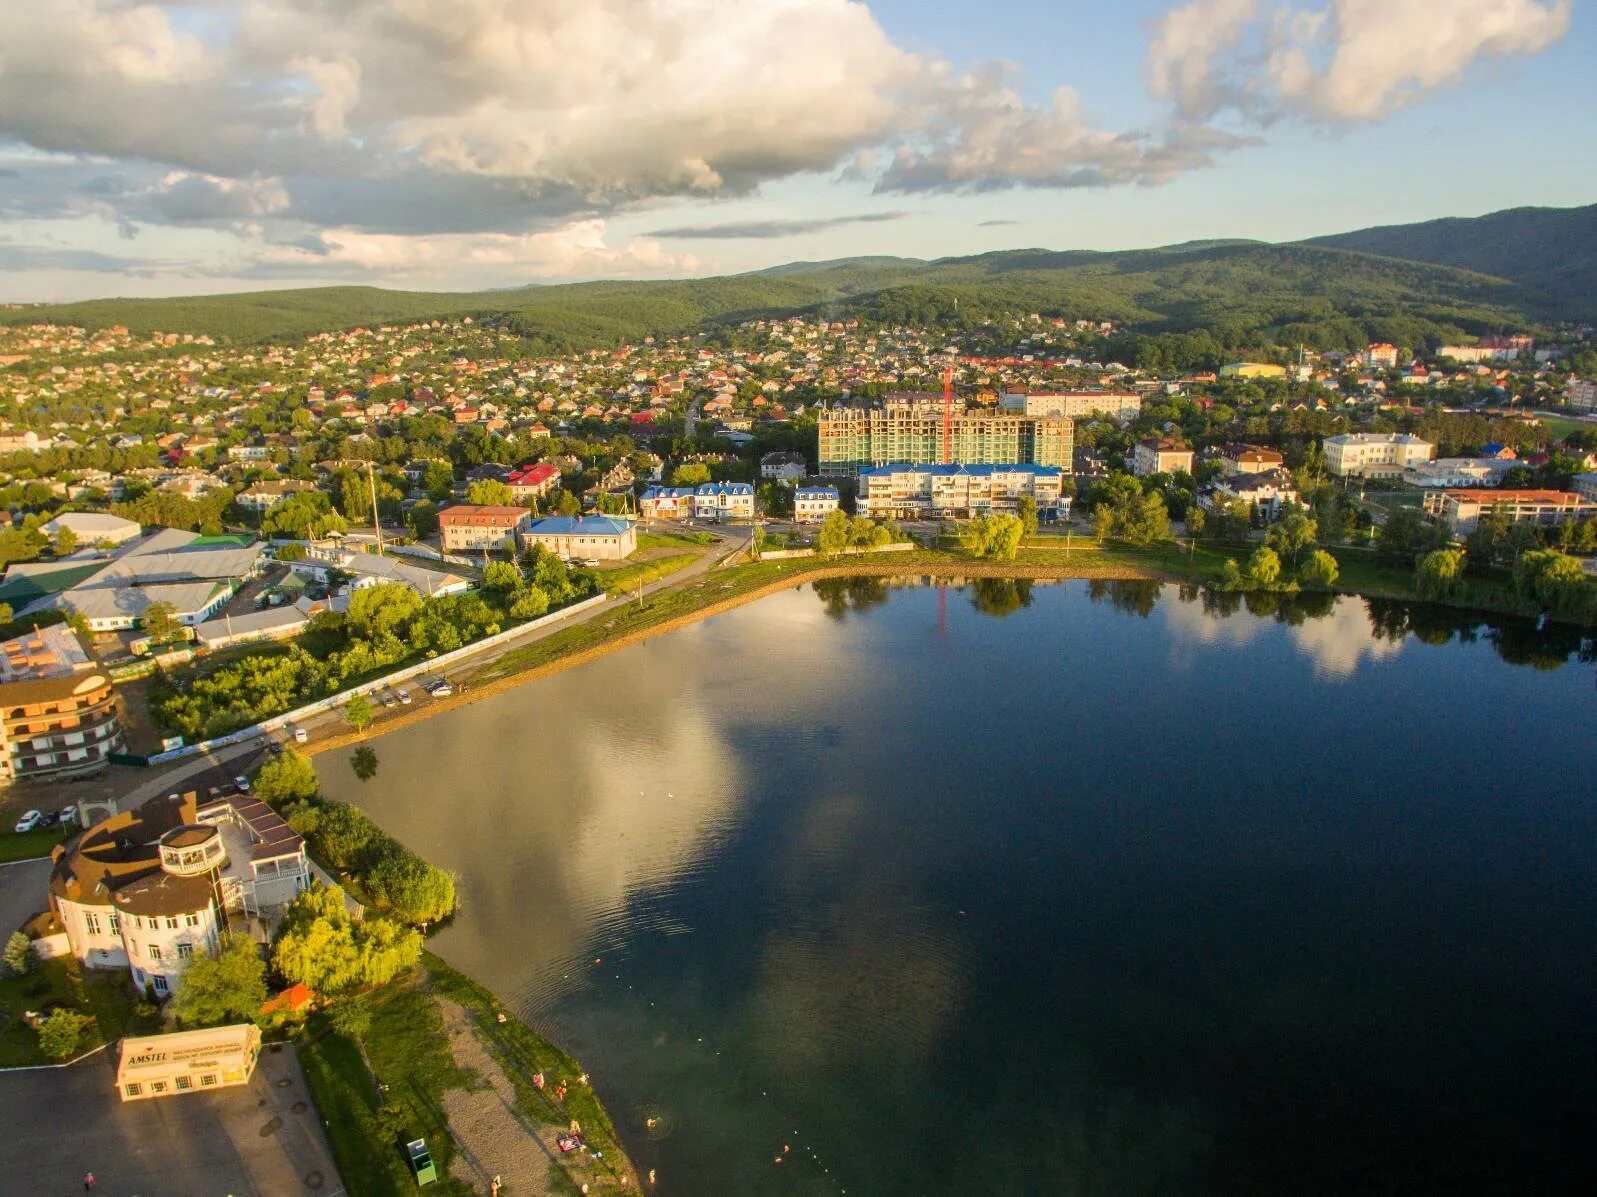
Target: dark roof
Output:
[(115, 853)]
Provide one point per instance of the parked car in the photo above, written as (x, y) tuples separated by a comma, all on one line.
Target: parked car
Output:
[(67, 815), (404, 697), (243, 784), (50, 818), (30, 820), (591, 563), (389, 699)]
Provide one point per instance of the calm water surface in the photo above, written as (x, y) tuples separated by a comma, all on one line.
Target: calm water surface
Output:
[(1043, 889)]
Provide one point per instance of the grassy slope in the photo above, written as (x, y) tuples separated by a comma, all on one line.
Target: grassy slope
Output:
[(1552, 252), (1150, 290)]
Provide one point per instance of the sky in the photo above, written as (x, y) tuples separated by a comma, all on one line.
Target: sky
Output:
[(224, 145)]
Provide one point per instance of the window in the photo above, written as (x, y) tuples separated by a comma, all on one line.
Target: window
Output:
[(116, 923), (171, 922), (185, 950), (193, 920), (92, 922), (160, 984), (155, 951), (183, 1082), (208, 1078), (157, 1086), (132, 1090)]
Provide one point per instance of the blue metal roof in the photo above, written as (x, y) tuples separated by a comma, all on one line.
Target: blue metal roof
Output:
[(725, 488), (669, 492), (581, 525), (816, 492)]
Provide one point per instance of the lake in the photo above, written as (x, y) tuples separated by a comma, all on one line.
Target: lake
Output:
[(1014, 888)]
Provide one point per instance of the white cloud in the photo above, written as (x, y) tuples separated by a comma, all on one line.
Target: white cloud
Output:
[(1345, 60)]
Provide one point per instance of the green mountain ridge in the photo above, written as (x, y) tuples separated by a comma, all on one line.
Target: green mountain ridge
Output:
[(1369, 284)]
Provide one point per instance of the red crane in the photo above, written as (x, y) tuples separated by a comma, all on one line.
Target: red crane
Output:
[(948, 416)]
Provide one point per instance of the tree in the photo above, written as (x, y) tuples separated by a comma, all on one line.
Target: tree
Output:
[(1554, 581), (345, 836), (1263, 568), (1195, 520), (529, 603), (422, 520), (565, 503), (304, 515), (159, 622), (1407, 531), (690, 473), (1439, 575), (411, 889), (488, 492), (438, 480), (501, 576), (286, 777), (1026, 509), (358, 712), (60, 1033), (382, 610), (992, 536), (832, 537), (66, 540), (18, 958), (228, 987), (351, 1018), (319, 945), (1291, 534), (1320, 570)]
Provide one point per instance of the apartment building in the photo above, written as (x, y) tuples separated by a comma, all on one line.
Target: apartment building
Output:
[(1379, 355), (1076, 405), (58, 713), (527, 482), (1374, 454), (1581, 394), (467, 527), (853, 438), (913, 490), (1461, 510), (812, 504), (1585, 485), (1161, 455), (1249, 459)]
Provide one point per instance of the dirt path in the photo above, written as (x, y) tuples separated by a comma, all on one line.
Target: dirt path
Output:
[(493, 1137)]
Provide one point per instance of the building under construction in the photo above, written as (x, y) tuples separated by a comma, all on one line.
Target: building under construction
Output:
[(917, 429)]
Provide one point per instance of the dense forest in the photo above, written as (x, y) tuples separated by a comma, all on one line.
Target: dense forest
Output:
[(1213, 298)]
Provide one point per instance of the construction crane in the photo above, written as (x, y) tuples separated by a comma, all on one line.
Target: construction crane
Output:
[(948, 416)]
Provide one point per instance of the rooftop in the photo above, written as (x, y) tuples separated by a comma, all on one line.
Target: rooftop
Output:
[(581, 525)]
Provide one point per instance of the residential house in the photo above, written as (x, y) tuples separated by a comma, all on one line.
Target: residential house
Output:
[(532, 481), (721, 501), (467, 527), (263, 496), (812, 504), (783, 467), (1161, 455)]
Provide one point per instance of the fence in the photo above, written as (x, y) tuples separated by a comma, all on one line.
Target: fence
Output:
[(443, 661), (784, 554)]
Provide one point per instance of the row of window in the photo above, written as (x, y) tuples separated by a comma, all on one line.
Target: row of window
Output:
[(136, 1089), (91, 920)]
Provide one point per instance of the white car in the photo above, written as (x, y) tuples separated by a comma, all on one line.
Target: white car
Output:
[(29, 821), (243, 784), (68, 814), (404, 697)]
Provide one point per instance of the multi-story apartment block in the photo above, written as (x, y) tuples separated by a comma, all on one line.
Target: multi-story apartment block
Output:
[(1461, 510), (1076, 405), (1375, 454), (58, 713), (532, 481), (1581, 394), (812, 504), (1380, 356), (469, 528), (1161, 455), (910, 490), (852, 438)]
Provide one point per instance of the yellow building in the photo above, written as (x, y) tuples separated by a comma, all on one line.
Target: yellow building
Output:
[(1252, 370), (186, 1061)]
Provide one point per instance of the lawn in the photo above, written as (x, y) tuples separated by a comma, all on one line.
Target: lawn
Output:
[(103, 994), (673, 540), (629, 577), (29, 844), (408, 1052)]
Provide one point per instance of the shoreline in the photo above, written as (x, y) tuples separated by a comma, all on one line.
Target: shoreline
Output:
[(496, 685)]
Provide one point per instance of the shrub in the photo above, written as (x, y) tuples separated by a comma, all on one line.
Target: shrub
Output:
[(60, 1034)]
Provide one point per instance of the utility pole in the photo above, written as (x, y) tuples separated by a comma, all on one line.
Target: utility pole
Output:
[(377, 527)]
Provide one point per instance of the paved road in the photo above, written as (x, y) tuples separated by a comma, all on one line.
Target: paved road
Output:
[(22, 893), (264, 1139)]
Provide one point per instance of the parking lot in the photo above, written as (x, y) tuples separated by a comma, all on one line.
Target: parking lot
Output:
[(262, 1139)]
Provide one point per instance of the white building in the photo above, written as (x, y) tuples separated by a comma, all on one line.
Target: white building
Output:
[(1585, 485), (1374, 454), (195, 574), (667, 502), (263, 496), (1264, 493), (1161, 455), (721, 501), (151, 888), (1581, 394), (93, 527), (1114, 405), (600, 537), (783, 467), (812, 504), (1459, 472), (912, 490)]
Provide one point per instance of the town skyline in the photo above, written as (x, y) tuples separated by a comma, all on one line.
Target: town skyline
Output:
[(722, 138)]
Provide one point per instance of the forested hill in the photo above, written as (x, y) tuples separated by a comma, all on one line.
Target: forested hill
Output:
[(1550, 252), (1234, 294)]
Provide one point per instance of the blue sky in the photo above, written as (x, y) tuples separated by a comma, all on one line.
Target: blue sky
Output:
[(169, 149)]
